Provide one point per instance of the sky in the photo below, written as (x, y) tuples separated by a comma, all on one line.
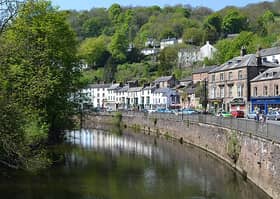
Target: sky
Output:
[(88, 4)]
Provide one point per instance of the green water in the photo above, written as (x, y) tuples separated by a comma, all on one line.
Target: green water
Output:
[(99, 165)]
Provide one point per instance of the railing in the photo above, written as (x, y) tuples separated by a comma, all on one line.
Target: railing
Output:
[(266, 130)]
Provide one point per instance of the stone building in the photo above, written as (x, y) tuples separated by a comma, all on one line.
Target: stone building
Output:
[(265, 90), (201, 74), (229, 84)]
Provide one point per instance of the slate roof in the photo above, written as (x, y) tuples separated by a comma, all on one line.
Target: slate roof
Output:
[(134, 89), (269, 74), (240, 62), (124, 88), (270, 51), (205, 69), (114, 86), (169, 39), (99, 85), (186, 79), (163, 79), (165, 91)]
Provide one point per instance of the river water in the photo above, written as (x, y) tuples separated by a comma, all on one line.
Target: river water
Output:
[(96, 164)]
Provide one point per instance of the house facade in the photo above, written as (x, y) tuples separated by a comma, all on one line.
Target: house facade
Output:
[(271, 54), (229, 84), (265, 91), (166, 82), (207, 51)]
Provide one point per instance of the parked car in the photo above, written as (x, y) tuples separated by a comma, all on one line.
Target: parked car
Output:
[(252, 115), (237, 114), (188, 111), (151, 111), (273, 115), (224, 114)]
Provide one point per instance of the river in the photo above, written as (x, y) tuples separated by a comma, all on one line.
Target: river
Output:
[(96, 164)]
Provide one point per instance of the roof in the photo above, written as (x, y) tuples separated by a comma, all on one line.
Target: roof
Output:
[(269, 74), (240, 62), (205, 69), (163, 79), (270, 51), (99, 85), (165, 91), (186, 79), (114, 86), (169, 39), (134, 89), (124, 88)]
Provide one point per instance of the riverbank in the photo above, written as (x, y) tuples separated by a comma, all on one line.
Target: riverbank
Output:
[(256, 158)]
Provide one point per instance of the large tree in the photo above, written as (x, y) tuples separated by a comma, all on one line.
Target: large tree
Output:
[(37, 74)]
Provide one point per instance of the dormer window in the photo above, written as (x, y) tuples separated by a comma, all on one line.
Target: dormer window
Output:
[(274, 74)]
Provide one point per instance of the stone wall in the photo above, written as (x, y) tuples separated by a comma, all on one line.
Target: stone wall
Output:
[(256, 158)]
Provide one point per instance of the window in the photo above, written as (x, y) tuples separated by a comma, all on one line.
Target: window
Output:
[(276, 90), (230, 91), (240, 74), (239, 91), (213, 77), (265, 90), (230, 76), (97, 94), (213, 92), (222, 92), (255, 91), (221, 76), (103, 95)]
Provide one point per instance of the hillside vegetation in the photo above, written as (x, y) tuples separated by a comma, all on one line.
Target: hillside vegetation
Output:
[(106, 34)]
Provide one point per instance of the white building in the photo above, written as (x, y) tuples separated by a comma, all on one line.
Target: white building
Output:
[(206, 51), (150, 51), (188, 56), (98, 94), (168, 42), (164, 98), (271, 54), (112, 98)]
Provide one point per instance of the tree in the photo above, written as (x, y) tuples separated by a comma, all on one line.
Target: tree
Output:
[(114, 13), (234, 22), (8, 10), (38, 72), (119, 44), (168, 59), (94, 51), (193, 36)]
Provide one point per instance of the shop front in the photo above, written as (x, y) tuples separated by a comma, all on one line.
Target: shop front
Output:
[(238, 104), (265, 103), (216, 105)]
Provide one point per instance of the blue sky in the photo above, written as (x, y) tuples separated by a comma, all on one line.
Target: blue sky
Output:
[(88, 4)]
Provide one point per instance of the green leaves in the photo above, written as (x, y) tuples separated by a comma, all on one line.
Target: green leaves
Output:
[(38, 69)]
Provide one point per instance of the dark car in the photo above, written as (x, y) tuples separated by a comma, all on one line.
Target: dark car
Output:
[(237, 114)]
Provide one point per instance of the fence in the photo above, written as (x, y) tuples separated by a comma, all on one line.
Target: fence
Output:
[(266, 130)]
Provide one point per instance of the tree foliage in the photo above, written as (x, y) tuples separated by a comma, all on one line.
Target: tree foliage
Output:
[(37, 74)]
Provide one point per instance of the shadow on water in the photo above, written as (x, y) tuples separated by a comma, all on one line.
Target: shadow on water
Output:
[(100, 164)]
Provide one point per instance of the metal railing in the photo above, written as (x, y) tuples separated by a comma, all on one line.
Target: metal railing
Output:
[(265, 130)]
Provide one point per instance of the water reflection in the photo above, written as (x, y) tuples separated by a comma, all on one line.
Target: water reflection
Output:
[(101, 165)]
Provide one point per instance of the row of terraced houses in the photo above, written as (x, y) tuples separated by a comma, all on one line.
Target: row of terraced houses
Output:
[(247, 82)]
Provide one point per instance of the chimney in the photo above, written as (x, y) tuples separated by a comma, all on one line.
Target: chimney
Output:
[(243, 51), (258, 57)]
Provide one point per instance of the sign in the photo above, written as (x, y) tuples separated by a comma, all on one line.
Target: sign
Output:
[(237, 101)]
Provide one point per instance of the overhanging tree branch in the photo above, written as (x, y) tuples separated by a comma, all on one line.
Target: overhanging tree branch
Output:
[(8, 10)]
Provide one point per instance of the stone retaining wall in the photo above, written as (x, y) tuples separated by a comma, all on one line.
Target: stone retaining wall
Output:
[(256, 158)]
